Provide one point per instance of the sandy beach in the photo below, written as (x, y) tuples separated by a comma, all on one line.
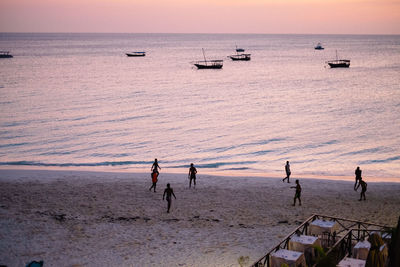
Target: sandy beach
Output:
[(76, 218)]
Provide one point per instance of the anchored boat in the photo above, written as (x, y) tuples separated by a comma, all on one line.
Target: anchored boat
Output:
[(319, 47), (208, 64), (338, 63), (240, 55), (5, 54), (136, 54)]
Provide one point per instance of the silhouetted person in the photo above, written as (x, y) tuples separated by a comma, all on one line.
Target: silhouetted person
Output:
[(363, 188), (192, 175), (358, 177), (155, 166), (169, 192), (298, 193), (287, 169), (154, 179)]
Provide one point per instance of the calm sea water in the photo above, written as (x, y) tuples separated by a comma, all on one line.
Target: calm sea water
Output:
[(76, 100)]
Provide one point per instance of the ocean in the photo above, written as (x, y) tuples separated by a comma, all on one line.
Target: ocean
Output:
[(76, 101)]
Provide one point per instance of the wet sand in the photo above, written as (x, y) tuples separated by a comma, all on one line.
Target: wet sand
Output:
[(76, 218)]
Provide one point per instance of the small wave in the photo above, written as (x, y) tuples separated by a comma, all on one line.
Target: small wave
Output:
[(238, 169), (331, 142), (216, 165), (256, 143), (261, 152), (103, 155), (105, 163), (125, 119), (380, 160), (363, 151), (14, 145)]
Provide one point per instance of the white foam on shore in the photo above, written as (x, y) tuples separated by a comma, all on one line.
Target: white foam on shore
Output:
[(101, 218)]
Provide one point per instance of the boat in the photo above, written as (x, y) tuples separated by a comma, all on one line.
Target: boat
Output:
[(319, 47), (208, 64), (240, 55), (136, 54), (338, 63), (5, 54), (243, 57)]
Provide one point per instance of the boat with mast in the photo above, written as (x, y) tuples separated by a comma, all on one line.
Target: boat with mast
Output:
[(240, 55), (338, 63), (208, 64)]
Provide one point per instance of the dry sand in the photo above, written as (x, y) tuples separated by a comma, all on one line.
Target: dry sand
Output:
[(75, 218)]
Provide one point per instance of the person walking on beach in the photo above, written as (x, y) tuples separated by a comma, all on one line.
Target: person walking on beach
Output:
[(169, 192), (358, 177), (363, 188), (192, 175), (154, 179), (155, 166), (287, 169), (298, 193)]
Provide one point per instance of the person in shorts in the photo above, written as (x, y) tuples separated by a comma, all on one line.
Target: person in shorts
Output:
[(169, 192), (154, 179), (297, 195), (192, 175)]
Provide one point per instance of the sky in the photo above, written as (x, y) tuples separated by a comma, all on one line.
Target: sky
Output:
[(202, 16)]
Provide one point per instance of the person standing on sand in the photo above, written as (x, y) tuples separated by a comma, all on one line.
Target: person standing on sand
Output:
[(155, 166), (363, 188), (298, 193), (169, 192), (154, 176), (192, 175), (287, 169), (358, 177)]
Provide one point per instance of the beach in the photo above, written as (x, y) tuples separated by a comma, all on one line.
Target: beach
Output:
[(80, 218)]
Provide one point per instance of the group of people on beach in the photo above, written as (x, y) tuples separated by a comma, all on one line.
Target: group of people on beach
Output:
[(360, 182), (169, 192), (297, 194)]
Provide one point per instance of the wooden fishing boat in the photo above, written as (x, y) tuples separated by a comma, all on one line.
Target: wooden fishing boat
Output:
[(5, 54), (208, 64), (136, 54), (338, 63), (240, 55), (244, 57)]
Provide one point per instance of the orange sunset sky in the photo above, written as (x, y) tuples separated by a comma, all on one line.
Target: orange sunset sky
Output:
[(202, 16)]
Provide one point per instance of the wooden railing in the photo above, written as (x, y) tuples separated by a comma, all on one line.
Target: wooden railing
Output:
[(339, 244)]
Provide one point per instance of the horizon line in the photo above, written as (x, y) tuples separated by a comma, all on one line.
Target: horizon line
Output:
[(203, 33)]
